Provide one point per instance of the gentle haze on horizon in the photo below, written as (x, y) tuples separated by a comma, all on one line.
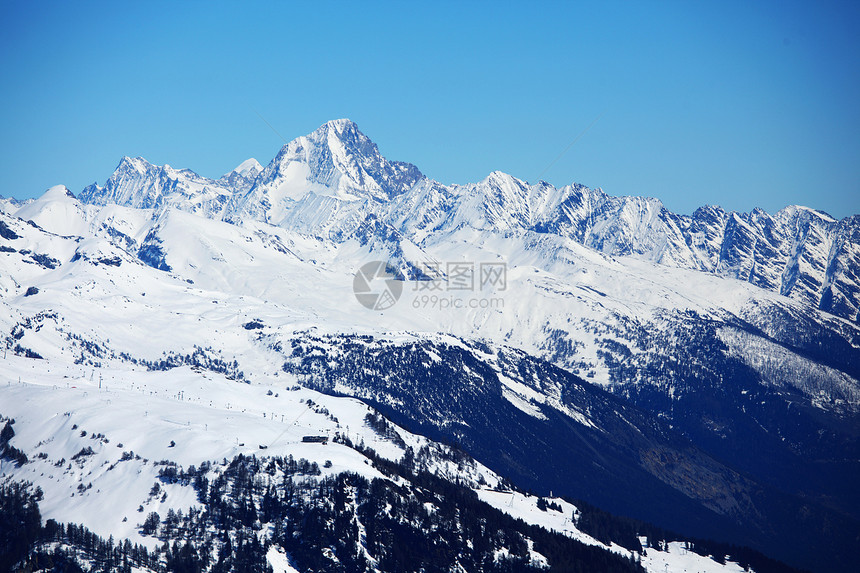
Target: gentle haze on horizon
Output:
[(738, 104)]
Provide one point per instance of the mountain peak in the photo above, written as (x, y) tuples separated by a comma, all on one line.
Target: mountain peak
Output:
[(340, 125), (342, 136), (335, 133), (138, 164), (797, 211), (338, 160), (58, 193), (500, 177), (248, 168)]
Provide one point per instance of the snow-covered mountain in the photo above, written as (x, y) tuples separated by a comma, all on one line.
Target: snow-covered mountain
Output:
[(139, 184), (334, 166), (330, 181), (689, 371), (182, 456), (242, 178)]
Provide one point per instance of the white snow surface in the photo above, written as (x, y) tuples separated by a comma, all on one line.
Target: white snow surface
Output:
[(58, 409), (223, 275), (249, 167), (672, 556)]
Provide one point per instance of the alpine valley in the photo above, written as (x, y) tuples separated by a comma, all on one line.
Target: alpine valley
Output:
[(548, 378)]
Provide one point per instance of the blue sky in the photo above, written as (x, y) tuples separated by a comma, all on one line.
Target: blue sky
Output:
[(740, 104)]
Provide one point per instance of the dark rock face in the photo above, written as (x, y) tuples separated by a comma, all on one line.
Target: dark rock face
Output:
[(706, 457)]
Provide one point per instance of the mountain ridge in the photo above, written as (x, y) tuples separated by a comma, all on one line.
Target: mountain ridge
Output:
[(335, 177), (763, 384)]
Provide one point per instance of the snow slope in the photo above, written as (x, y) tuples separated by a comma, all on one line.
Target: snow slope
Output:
[(97, 439)]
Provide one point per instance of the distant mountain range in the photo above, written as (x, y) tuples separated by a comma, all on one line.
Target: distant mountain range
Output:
[(329, 181), (696, 372)]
